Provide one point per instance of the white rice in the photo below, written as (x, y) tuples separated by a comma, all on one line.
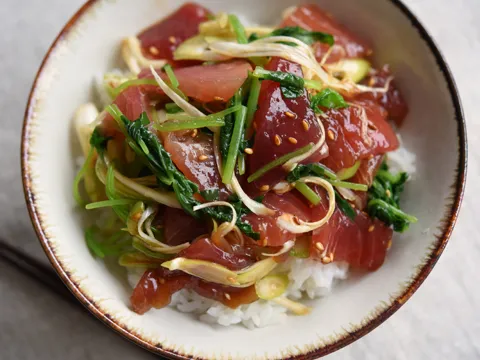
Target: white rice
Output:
[(308, 278)]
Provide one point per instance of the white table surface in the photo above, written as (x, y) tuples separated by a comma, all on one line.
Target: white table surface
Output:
[(441, 321)]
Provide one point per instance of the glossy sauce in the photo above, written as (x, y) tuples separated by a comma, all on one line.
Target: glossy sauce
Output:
[(279, 125)]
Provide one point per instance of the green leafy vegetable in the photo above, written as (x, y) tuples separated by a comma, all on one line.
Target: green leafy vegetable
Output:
[(210, 194), (315, 169), (227, 130), (329, 99), (308, 37), (277, 162), (252, 103), (309, 194), (136, 82), (98, 141), (160, 162), (384, 199), (236, 139), (81, 173), (109, 203), (175, 125), (345, 206), (102, 246), (172, 108), (292, 86), (238, 29)]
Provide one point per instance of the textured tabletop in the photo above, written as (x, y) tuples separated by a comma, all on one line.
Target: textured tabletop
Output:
[(441, 321)]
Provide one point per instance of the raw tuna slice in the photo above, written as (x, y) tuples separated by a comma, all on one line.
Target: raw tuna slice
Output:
[(160, 40), (206, 83), (132, 102), (365, 175), (363, 242), (179, 227), (270, 233), (193, 155), (356, 133), (282, 125), (347, 44), (392, 101)]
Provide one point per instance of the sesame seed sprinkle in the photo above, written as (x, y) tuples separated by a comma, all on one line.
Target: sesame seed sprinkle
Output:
[(264, 188), (203, 157), (277, 140), (326, 260), (331, 135), (289, 114), (249, 151), (153, 50), (218, 98), (292, 140), (371, 228), (227, 296), (161, 281), (305, 125), (389, 244), (172, 39), (194, 132), (320, 246)]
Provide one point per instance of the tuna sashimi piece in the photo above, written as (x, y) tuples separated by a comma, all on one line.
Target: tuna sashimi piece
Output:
[(365, 175), (160, 40), (206, 83), (357, 133), (179, 227), (270, 233), (392, 101), (194, 157), (363, 242), (204, 249), (282, 125), (156, 287), (347, 44), (132, 102)]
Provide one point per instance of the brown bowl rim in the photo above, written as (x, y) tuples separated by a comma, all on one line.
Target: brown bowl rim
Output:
[(448, 222)]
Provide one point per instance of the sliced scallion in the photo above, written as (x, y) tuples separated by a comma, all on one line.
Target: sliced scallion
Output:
[(80, 175), (348, 173), (109, 203), (277, 162), (171, 76), (349, 185), (238, 28), (175, 125), (252, 103), (219, 115), (309, 194), (136, 82), (237, 136), (241, 164)]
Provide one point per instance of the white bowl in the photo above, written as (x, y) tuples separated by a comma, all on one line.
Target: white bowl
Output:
[(434, 130)]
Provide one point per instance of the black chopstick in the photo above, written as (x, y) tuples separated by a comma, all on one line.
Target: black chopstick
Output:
[(34, 269)]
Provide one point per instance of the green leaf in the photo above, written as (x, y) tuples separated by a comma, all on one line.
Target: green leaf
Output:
[(308, 37), (277, 162), (172, 108), (384, 199), (315, 169), (238, 29), (210, 194), (292, 86), (329, 99), (345, 206), (98, 141)]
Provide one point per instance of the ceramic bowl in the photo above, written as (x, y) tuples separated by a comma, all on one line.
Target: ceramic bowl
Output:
[(434, 131)]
